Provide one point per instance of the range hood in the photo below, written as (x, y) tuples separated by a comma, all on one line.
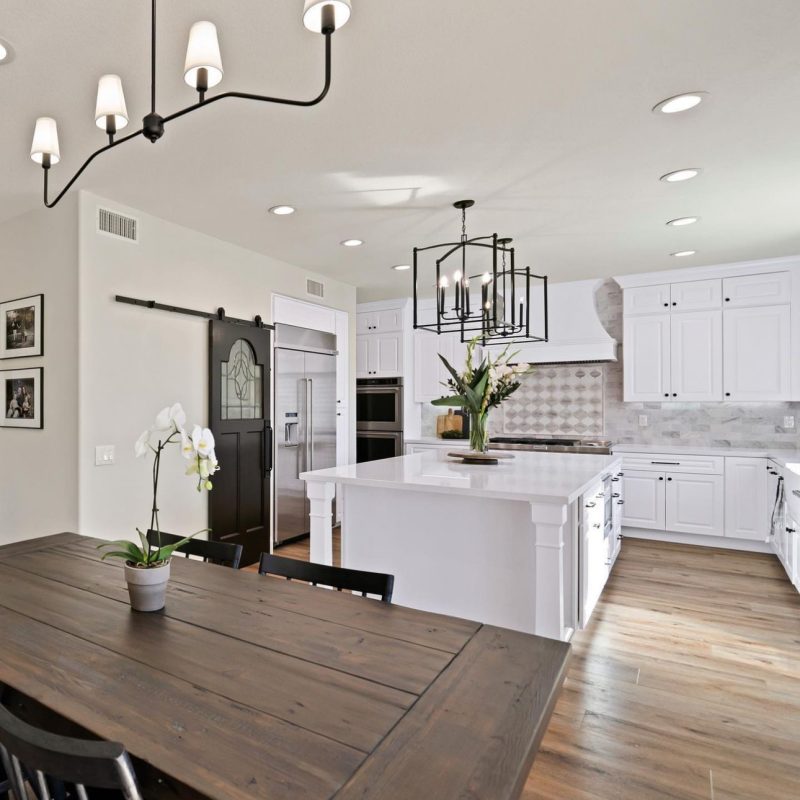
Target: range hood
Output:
[(576, 333)]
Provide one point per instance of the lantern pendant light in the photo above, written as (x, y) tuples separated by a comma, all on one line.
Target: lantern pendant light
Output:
[(202, 71), (502, 304)]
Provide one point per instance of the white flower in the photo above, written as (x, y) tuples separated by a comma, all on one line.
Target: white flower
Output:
[(178, 416), (163, 421), (203, 441), (142, 444), (187, 446)]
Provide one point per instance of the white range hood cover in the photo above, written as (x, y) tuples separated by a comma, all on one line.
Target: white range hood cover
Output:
[(576, 333)]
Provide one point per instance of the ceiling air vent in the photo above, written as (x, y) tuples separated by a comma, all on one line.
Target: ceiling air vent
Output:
[(113, 224), (315, 288)]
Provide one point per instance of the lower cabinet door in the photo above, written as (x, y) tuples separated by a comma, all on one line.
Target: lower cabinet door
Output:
[(644, 494), (695, 504), (747, 506)]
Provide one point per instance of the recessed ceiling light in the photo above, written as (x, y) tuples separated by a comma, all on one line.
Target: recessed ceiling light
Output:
[(401, 267), (682, 253), (680, 102), (681, 175), (282, 211), (681, 221), (352, 242), (6, 52)]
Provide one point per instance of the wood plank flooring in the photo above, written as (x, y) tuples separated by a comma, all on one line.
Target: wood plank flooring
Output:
[(685, 686)]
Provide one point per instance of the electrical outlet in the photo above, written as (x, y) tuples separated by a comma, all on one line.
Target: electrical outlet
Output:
[(788, 422), (642, 420), (104, 455)]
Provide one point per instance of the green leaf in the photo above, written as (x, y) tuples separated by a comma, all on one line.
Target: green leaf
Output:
[(121, 555), (458, 401), (132, 552), (456, 377)]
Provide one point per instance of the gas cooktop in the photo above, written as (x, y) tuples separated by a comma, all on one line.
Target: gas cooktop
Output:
[(553, 445)]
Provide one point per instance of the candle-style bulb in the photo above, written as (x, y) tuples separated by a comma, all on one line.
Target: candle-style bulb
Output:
[(444, 282), (486, 277), (457, 276)]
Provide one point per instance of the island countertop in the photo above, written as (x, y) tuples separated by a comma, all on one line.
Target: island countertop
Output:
[(528, 477)]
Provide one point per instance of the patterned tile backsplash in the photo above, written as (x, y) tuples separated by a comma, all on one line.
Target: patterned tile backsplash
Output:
[(586, 400)]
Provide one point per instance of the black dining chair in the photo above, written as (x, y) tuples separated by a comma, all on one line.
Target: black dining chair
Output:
[(353, 580), (49, 766), (225, 553)]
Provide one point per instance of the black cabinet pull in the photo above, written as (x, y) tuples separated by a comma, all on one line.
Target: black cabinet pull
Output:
[(267, 449), (674, 394), (615, 494), (669, 479), (667, 463), (674, 304), (661, 478), (666, 394), (727, 299), (727, 394), (666, 305), (620, 503)]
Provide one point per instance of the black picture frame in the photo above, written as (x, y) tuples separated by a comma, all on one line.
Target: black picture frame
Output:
[(18, 388), (22, 327)]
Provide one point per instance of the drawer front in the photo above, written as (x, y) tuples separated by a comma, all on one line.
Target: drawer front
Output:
[(659, 462)]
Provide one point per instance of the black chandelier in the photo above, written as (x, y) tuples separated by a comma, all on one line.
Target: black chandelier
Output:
[(503, 310), (202, 71)]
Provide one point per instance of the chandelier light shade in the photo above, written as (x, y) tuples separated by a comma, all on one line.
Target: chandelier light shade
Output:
[(110, 113), (477, 290), (202, 71), (44, 149), (203, 67), (321, 15)]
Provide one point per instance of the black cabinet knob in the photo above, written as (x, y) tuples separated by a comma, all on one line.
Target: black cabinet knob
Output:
[(666, 305), (674, 304), (666, 394), (674, 394), (669, 479), (727, 299), (727, 394), (661, 478)]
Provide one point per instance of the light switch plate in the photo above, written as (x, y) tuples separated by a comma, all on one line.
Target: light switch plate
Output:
[(642, 420), (104, 455), (788, 422)]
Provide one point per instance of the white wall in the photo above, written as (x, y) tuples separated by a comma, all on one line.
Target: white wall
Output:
[(38, 479), (134, 360)]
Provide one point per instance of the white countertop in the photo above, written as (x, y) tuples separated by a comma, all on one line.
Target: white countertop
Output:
[(776, 454), (530, 477)]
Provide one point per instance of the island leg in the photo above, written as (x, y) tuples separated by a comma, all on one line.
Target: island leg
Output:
[(549, 520), (320, 496)]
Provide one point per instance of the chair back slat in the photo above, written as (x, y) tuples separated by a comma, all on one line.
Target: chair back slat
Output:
[(226, 553), (341, 578), (28, 752)]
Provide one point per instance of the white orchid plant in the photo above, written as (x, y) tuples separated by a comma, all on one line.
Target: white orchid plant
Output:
[(198, 449)]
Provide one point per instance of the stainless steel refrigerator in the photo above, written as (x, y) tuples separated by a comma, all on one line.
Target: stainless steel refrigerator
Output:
[(305, 421)]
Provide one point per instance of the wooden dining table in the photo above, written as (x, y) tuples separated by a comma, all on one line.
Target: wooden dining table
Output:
[(247, 686)]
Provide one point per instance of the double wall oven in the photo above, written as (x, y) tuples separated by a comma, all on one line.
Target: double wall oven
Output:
[(379, 418)]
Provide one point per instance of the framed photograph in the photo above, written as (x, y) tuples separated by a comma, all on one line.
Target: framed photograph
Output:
[(21, 327), (21, 395)]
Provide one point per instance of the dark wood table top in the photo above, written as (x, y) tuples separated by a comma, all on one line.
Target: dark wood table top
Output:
[(254, 687)]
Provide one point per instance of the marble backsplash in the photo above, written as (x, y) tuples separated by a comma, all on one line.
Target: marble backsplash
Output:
[(586, 400)]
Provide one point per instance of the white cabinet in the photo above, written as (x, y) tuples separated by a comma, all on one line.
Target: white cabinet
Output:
[(747, 502), (343, 385), (694, 504), (646, 300), (379, 355), (644, 495), (696, 295), (429, 372), (647, 358), (773, 288), (757, 350), (388, 320), (696, 355), (594, 558)]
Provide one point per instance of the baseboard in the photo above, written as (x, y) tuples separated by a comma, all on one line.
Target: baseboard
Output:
[(701, 541)]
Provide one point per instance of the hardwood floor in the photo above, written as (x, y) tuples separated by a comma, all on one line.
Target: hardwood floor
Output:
[(685, 686)]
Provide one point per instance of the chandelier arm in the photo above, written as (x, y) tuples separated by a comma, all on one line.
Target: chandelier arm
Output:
[(264, 98), (153, 59), (83, 167)]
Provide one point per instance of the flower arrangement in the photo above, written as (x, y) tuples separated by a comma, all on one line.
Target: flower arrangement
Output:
[(481, 388), (198, 449)]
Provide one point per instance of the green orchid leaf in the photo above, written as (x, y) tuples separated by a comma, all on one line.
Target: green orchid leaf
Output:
[(129, 548), (456, 377), (457, 401), (119, 554)]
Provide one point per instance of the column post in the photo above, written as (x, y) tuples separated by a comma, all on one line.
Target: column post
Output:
[(320, 495), (548, 521)]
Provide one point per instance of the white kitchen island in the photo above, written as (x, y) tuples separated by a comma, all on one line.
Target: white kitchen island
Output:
[(503, 544)]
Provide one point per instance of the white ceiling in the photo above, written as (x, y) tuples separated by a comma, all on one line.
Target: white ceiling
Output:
[(538, 110)]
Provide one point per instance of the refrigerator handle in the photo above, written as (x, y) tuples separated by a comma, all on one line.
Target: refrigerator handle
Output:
[(267, 444), (309, 424)]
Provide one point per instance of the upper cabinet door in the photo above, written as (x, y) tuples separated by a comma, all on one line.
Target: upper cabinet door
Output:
[(646, 300), (343, 359), (771, 289), (756, 353), (389, 355), (696, 356), (646, 357), (362, 356), (389, 320), (696, 295), (426, 367), (366, 322)]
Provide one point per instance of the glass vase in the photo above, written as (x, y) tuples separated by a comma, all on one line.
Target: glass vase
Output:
[(478, 431)]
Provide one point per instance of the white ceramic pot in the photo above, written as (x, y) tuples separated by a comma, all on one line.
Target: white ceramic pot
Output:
[(147, 588)]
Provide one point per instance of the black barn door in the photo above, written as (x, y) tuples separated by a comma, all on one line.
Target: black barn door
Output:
[(239, 407)]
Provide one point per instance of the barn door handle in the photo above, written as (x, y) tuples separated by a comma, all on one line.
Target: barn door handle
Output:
[(267, 448)]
